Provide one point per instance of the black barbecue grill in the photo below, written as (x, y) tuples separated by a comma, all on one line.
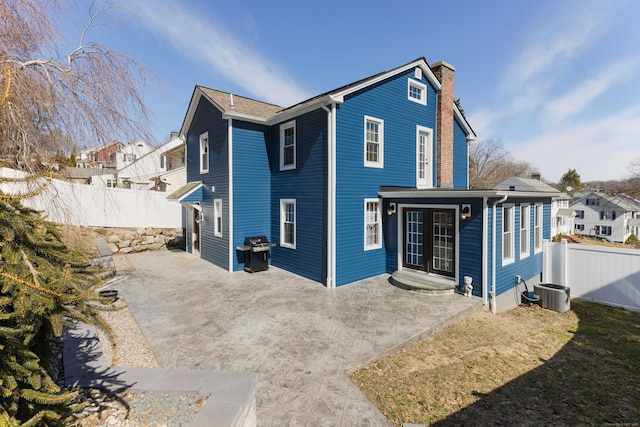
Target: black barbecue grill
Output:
[(256, 253)]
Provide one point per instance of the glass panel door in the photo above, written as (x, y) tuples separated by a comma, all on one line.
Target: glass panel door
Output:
[(414, 248)]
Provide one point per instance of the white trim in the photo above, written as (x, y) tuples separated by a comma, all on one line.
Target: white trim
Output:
[(231, 250), (217, 217), (423, 91), (512, 240), (201, 146), (331, 196), (485, 250), (284, 244), (380, 162), (527, 230), (428, 180), (377, 222), (283, 128), (417, 73), (538, 249)]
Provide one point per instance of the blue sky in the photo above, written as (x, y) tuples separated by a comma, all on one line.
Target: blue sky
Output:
[(557, 82)]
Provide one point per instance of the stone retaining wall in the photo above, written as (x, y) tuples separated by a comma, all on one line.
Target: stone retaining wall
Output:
[(126, 240)]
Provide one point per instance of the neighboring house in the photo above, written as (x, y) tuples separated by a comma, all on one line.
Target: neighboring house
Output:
[(561, 215), (614, 218), (148, 171), (367, 179), (99, 157)]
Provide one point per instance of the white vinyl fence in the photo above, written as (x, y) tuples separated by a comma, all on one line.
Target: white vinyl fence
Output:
[(596, 273), (93, 206)]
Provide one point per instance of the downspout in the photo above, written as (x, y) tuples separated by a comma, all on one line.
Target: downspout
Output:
[(493, 253), (485, 251), (230, 160), (331, 196)]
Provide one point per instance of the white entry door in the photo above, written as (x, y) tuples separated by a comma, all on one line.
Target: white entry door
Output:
[(424, 156)]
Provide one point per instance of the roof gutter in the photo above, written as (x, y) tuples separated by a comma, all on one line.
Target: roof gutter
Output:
[(493, 252)]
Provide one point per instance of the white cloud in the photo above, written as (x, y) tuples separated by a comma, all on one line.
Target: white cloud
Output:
[(208, 42), (537, 59), (599, 150), (580, 97)]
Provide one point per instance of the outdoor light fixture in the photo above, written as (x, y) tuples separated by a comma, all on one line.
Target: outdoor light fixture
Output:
[(392, 209), (465, 212)]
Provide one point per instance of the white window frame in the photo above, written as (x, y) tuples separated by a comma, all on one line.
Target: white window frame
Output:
[(538, 227), (217, 217), (376, 222), (427, 181), (525, 230), (380, 162), (423, 91), (283, 128), (204, 150), (508, 237), (284, 221)]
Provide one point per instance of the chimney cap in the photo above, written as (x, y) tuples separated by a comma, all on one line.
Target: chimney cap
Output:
[(443, 64)]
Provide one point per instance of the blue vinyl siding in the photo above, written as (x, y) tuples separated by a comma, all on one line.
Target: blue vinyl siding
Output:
[(529, 266), (386, 101), (307, 184), (251, 185), (460, 158), (196, 196), (207, 118)]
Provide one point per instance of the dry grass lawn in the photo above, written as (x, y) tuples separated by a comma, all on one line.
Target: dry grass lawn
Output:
[(528, 366)]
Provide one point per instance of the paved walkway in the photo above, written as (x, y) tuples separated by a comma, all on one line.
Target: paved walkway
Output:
[(301, 338)]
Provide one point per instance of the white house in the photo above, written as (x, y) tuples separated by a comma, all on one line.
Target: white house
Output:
[(614, 218), (561, 215), (160, 167)]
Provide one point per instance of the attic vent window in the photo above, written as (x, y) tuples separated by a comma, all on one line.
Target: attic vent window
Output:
[(417, 92), (418, 73)]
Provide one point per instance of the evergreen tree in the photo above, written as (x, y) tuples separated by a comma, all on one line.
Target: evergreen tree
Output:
[(44, 286), (571, 181)]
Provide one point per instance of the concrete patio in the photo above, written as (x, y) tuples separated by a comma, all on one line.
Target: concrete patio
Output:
[(301, 338)]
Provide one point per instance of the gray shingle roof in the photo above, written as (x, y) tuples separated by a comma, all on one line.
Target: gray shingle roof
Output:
[(241, 104), (185, 189)]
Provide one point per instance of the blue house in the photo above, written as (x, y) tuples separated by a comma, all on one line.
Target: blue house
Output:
[(367, 179)]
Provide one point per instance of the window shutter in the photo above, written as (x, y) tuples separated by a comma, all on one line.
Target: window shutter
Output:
[(602, 215)]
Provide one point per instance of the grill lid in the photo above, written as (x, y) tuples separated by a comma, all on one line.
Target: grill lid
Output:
[(256, 240)]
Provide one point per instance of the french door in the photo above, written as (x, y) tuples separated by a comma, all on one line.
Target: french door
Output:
[(429, 240)]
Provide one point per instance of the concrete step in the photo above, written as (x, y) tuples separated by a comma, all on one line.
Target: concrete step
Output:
[(423, 283)]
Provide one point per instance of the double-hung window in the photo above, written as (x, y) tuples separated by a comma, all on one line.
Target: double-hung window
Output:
[(288, 223), (537, 228), (288, 146), (417, 92), (507, 234), (204, 152), (524, 230), (373, 142), (217, 217), (372, 224)]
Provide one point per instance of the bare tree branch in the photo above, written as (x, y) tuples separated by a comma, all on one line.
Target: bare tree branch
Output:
[(54, 102)]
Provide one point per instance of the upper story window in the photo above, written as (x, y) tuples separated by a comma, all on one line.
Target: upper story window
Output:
[(593, 202), (507, 235), (580, 214), (373, 142), (372, 224), (525, 219), (417, 92), (288, 223), (608, 215), (204, 152), (162, 161), (288, 146)]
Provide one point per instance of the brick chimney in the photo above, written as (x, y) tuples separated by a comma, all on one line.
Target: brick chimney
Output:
[(444, 122)]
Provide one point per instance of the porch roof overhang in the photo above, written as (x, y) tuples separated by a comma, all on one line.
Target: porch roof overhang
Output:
[(566, 212), (192, 192), (448, 193)]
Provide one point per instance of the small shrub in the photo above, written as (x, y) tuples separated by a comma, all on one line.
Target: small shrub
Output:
[(633, 240)]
